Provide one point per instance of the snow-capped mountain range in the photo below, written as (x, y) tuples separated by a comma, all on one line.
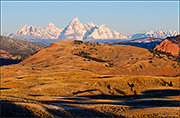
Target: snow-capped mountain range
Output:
[(78, 31), (75, 30), (29, 32), (155, 34)]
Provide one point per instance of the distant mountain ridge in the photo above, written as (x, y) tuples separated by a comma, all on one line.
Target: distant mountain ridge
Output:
[(13, 50), (155, 34), (75, 30), (148, 42)]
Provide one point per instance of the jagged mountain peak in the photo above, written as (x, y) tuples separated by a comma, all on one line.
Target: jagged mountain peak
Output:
[(102, 26), (52, 28), (75, 23), (26, 25), (50, 25), (91, 23), (39, 27), (76, 19), (27, 28), (74, 30)]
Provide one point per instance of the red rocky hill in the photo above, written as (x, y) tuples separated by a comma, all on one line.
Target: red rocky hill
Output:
[(168, 46)]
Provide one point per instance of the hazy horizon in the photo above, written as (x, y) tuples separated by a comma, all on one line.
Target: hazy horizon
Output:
[(125, 17)]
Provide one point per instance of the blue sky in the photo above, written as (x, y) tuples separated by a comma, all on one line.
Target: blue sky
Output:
[(125, 17)]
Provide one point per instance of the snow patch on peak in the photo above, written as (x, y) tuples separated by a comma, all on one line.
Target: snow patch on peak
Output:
[(102, 26), (75, 25), (91, 23), (76, 19), (39, 28), (50, 24), (25, 30), (28, 28)]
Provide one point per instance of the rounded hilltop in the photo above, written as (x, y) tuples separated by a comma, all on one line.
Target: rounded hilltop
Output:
[(69, 55)]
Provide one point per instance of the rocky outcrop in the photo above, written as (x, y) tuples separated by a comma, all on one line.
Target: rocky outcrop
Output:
[(168, 46)]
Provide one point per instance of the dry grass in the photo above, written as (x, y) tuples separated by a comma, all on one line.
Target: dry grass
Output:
[(59, 89)]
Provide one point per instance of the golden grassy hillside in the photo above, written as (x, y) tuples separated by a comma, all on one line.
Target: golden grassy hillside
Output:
[(70, 56)]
